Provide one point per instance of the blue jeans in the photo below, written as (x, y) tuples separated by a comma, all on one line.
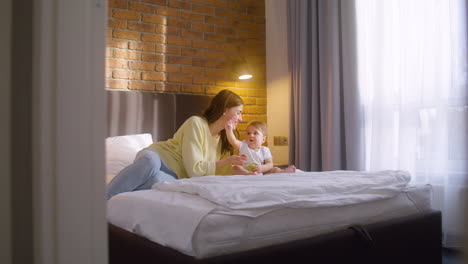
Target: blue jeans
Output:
[(146, 170)]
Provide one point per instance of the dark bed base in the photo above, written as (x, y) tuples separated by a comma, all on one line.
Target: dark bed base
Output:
[(412, 239)]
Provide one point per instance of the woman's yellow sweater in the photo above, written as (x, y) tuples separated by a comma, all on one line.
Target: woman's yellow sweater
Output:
[(193, 151)]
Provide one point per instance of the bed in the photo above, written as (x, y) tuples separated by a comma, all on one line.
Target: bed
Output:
[(398, 229)]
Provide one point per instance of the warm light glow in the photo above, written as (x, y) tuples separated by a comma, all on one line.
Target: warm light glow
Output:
[(245, 76)]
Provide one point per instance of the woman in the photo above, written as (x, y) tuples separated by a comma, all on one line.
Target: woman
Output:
[(198, 148)]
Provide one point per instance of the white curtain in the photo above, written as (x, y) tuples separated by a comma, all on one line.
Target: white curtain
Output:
[(412, 58)]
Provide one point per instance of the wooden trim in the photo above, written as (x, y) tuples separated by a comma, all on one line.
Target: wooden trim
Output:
[(21, 132), (5, 135)]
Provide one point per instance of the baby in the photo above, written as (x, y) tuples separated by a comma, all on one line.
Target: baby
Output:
[(259, 159)]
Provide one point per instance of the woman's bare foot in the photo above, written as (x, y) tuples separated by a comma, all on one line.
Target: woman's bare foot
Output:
[(239, 170), (290, 169)]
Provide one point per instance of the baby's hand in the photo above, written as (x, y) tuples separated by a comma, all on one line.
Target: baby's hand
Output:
[(251, 166), (229, 125), (257, 168)]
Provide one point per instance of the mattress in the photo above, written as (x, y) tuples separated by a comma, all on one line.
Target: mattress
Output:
[(195, 227)]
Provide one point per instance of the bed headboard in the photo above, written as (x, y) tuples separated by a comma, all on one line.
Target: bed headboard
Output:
[(161, 114)]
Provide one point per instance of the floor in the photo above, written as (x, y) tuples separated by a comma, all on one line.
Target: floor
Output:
[(450, 256)]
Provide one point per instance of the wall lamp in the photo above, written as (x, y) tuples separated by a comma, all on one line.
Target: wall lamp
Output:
[(245, 76), (242, 69)]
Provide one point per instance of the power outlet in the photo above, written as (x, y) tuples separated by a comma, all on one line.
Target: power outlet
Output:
[(280, 141)]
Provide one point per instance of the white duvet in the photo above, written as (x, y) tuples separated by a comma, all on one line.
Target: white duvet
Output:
[(170, 213), (296, 190)]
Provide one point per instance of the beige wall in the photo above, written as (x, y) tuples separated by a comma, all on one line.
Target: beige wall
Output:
[(5, 195), (278, 85)]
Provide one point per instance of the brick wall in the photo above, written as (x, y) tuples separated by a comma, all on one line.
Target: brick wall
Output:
[(190, 46)]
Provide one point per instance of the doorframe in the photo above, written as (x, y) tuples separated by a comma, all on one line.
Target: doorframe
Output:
[(69, 132)]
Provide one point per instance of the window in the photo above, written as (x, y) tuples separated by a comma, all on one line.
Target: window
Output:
[(413, 83)]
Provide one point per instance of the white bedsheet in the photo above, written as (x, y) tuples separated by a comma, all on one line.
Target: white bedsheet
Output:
[(293, 190)]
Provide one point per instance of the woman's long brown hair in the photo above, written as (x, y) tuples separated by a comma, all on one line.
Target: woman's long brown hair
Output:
[(222, 101)]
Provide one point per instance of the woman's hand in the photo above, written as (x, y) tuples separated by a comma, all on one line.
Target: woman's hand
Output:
[(232, 160), (237, 159)]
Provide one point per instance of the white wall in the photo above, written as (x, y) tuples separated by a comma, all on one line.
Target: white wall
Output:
[(5, 172), (278, 83)]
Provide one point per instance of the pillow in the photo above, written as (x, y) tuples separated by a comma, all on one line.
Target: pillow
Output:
[(121, 151)]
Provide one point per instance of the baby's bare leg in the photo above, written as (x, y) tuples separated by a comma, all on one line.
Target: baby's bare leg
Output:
[(289, 169), (239, 170), (274, 170)]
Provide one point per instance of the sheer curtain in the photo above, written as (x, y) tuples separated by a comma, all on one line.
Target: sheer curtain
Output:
[(412, 58)]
